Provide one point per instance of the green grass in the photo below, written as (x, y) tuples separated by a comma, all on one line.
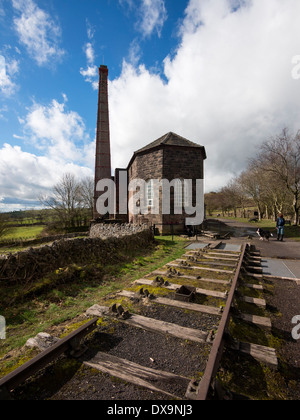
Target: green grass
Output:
[(23, 232), (67, 293)]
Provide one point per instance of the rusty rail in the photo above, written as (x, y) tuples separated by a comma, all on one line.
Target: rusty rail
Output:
[(19, 375), (218, 345)]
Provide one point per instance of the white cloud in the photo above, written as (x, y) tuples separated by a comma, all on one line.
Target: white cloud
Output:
[(58, 132), (90, 55), (90, 30), (135, 53), (7, 70), (63, 146), (15, 136), (26, 175), (90, 74), (38, 32), (127, 3), (153, 15), (229, 85)]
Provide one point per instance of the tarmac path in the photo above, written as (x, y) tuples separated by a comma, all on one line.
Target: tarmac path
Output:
[(280, 259)]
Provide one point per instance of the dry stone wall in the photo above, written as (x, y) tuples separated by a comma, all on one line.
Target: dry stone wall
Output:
[(115, 230), (37, 262)]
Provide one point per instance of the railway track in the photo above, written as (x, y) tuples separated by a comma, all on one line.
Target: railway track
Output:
[(166, 333)]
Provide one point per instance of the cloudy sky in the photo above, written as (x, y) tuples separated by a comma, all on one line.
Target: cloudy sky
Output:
[(222, 73)]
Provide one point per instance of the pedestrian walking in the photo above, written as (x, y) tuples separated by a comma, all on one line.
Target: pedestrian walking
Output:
[(280, 227)]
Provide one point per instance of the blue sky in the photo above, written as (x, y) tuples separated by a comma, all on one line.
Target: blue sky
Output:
[(222, 73)]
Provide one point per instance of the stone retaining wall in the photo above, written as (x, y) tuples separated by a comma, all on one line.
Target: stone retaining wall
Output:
[(37, 262)]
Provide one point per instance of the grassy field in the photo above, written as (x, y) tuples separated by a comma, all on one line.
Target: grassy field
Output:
[(23, 233), (67, 293)]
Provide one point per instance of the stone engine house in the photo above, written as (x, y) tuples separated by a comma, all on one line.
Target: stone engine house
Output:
[(170, 157)]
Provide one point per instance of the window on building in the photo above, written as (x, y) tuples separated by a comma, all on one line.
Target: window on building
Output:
[(182, 193), (188, 192), (178, 198), (149, 193)]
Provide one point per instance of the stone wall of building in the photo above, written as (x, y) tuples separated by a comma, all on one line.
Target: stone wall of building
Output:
[(146, 166), (37, 262), (184, 163), (167, 162)]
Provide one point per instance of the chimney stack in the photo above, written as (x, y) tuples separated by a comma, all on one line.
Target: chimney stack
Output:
[(103, 159)]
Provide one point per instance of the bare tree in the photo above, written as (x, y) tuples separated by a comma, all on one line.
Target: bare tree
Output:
[(65, 200), (211, 202), (235, 195), (281, 157), (86, 194), (271, 180), (224, 200), (252, 184)]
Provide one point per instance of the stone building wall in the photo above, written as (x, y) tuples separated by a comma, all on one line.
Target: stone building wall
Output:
[(146, 166), (167, 162), (183, 163)]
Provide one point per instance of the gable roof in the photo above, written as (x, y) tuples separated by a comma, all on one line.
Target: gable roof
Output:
[(169, 139)]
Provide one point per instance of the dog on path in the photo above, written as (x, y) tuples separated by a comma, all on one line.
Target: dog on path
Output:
[(264, 235)]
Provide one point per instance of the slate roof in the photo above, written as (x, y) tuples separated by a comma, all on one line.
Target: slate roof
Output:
[(169, 139)]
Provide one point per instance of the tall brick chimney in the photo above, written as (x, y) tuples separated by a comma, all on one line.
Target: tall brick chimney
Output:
[(103, 159)]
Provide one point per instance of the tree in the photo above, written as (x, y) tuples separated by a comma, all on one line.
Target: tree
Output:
[(281, 157), (65, 200), (211, 202), (235, 196), (252, 184), (86, 194)]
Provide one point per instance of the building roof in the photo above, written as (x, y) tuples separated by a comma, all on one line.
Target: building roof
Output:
[(169, 139)]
